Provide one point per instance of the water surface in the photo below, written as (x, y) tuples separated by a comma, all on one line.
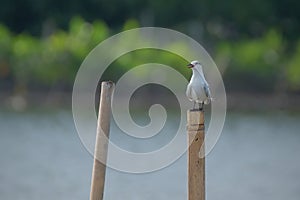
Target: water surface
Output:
[(257, 157)]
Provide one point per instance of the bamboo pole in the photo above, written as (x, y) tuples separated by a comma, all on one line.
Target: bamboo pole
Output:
[(101, 147), (196, 165)]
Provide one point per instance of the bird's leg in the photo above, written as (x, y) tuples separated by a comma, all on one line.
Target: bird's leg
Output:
[(201, 105), (194, 105)]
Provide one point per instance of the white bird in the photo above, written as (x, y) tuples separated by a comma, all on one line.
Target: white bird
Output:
[(198, 89)]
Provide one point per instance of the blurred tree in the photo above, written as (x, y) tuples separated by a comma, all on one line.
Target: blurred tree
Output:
[(46, 41), (293, 70), (253, 65), (234, 18), (5, 57)]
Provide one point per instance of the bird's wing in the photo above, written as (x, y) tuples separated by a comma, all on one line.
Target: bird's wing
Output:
[(206, 90), (189, 92)]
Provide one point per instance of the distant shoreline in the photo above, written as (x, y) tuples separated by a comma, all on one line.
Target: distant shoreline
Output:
[(235, 101)]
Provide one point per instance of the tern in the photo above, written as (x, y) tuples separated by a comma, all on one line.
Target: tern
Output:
[(198, 89)]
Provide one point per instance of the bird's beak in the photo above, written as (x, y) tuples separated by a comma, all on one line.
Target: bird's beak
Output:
[(190, 65)]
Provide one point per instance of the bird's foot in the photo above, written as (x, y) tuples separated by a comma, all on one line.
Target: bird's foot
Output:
[(201, 105)]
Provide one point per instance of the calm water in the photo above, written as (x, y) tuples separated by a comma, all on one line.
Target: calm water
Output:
[(257, 157)]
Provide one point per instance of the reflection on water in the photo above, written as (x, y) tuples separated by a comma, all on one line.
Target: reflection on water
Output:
[(257, 157)]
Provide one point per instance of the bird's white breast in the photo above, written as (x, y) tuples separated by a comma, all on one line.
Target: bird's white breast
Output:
[(195, 90)]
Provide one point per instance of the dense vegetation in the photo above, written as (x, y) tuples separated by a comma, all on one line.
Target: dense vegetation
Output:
[(255, 43)]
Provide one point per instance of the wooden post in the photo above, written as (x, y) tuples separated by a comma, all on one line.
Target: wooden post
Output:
[(196, 165), (101, 147)]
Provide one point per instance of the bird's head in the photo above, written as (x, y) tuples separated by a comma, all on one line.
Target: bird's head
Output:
[(194, 63)]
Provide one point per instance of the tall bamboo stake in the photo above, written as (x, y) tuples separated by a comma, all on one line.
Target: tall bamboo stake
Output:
[(196, 165), (101, 147)]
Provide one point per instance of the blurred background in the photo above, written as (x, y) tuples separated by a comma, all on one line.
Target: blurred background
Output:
[(256, 45)]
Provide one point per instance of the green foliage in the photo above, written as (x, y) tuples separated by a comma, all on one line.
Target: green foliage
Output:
[(25, 57), (293, 70), (51, 61), (30, 62), (35, 57), (253, 64), (5, 51), (144, 56), (130, 24)]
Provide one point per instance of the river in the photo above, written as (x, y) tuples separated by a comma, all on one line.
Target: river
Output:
[(256, 157)]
